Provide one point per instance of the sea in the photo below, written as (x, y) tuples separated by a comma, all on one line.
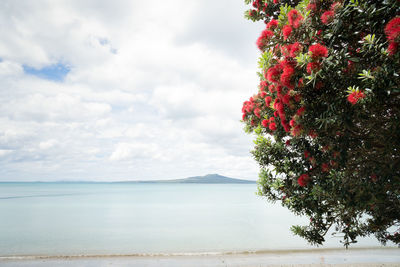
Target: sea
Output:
[(55, 219)]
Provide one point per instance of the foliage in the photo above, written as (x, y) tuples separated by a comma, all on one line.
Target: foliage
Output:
[(327, 114)]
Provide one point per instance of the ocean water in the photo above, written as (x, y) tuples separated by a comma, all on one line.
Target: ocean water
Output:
[(128, 219)]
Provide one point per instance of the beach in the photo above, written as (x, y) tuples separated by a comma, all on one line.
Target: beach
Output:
[(317, 257)]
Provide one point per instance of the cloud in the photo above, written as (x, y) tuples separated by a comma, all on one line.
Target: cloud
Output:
[(4, 152), (126, 151), (47, 144), (100, 90)]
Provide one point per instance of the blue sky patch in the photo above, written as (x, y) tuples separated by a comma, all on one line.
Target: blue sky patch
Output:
[(55, 72)]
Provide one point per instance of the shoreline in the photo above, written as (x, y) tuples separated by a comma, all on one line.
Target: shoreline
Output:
[(207, 253), (375, 256)]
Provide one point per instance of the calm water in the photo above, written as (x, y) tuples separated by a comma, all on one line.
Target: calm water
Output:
[(86, 219)]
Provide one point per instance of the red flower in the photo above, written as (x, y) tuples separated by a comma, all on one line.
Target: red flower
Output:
[(264, 38), (306, 154), (272, 24), (252, 13), (279, 89), (276, 1), (295, 18), (257, 112), (392, 48), (271, 88), (318, 51), (295, 49), (286, 127), (325, 167), (273, 73), (301, 83), (286, 76), (287, 142), (247, 106), (292, 122), (296, 130), (300, 111), (272, 126), (285, 50), (286, 30), (303, 180), (263, 85), (392, 29), (354, 96), (313, 67), (265, 123), (312, 7), (286, 99), (278, 106), (268, 100), (327, 17)]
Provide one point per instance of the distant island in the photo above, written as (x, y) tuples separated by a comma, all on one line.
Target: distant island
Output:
[(206, 179)]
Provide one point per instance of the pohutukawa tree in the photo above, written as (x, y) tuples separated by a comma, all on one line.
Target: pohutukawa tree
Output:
[(327, 114)]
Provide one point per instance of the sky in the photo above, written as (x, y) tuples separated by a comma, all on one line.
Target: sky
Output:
[(125, 90)]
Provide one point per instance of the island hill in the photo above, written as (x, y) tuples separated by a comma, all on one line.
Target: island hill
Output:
[(207, 179)]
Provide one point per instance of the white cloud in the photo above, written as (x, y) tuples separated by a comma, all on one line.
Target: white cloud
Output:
[(4, 152), (47, 144), (126, 151), (9, 68), (152, 93)]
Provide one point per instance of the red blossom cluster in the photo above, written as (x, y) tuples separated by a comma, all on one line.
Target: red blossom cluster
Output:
[(354, 96), (328, 16), (313, 67), (392, 31), (272, 24), (286, 31), (317, 53), (312, 7), (263, 40), (295, 18), (259, 6), (303, 180), (280, 77)]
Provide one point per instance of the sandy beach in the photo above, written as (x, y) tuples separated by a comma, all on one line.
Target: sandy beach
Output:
[(318, 257)]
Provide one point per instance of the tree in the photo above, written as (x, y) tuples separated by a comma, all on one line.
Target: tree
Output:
[(327, 114)]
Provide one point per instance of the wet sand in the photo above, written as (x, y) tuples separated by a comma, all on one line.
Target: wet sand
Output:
[(384, 257)]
